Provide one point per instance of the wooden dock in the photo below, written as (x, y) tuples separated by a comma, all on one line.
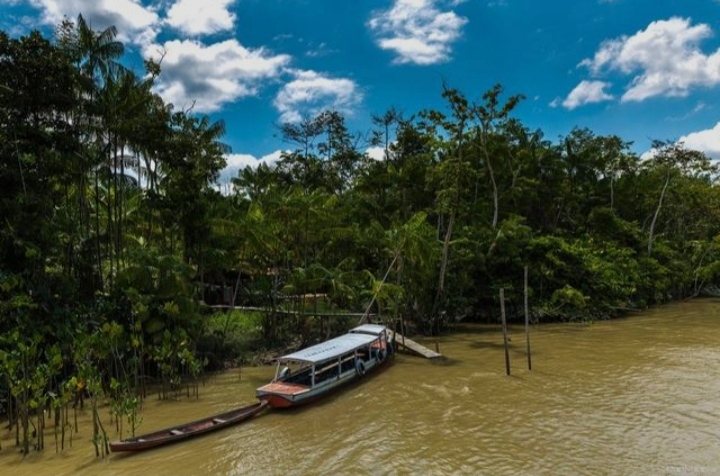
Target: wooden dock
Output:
[(402, 342)]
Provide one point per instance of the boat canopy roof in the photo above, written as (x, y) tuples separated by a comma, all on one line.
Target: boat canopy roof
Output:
[(331, 349), (375, 329)]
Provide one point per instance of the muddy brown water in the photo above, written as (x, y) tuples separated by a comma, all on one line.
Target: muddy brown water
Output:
[(633, 396)]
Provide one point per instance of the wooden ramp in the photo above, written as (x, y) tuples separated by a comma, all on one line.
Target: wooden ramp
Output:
[(412, 346)]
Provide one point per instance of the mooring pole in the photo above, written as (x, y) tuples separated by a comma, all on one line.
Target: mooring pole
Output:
[(505, 336), (402, 323), (527, 320)]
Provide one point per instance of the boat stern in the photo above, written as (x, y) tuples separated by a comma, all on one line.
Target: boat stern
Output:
[(282, 394)]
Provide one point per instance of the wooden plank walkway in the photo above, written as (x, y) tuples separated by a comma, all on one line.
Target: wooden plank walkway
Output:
[(412, 346)]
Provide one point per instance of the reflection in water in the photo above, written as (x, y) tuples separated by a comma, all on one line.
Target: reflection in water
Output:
[(636, 396)]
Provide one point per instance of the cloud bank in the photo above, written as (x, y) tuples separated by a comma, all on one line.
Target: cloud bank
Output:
[(418, 31), (663, 60)]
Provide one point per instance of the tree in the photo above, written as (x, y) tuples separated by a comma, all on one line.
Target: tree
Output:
[(492, 118), (382, 136), (192, 161), (674, 162)]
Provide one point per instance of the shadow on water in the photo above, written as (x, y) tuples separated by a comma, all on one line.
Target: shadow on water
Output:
[(255, 380), (468, 328), (443, 361), (492, 345)]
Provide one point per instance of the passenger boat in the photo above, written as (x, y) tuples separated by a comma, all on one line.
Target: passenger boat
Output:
[(188, 430), (310, 373)]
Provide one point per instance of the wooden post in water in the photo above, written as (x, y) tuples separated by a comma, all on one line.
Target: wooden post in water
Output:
[(402, 324), (527, 320), (504, 326)]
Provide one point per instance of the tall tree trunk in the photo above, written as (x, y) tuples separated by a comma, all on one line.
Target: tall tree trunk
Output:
[(657, 212), (496, 204), (443, 269), (98, 244)]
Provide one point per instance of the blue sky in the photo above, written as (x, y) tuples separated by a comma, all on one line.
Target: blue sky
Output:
[(641, 69)]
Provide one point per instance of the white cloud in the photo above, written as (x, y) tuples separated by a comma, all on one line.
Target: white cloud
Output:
[(417, 30), (586, 92), (320, 51), (665, 59), (311, 92), (648, 154), (707, 141), (135, 22), (212, 75), (201, 17), (376, 153), (237, 162), (700, 106)]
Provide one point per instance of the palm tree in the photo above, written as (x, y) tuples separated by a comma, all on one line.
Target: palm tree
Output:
[(95, 55), (191, 161), (98, 52)]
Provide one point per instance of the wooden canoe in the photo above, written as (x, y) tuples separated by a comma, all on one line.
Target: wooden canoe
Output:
[(188, 430)]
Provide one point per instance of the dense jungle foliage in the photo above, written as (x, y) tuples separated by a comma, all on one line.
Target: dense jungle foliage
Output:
[(114, 233)]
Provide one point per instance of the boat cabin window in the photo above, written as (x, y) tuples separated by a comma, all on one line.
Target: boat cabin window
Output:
[(292, 371)]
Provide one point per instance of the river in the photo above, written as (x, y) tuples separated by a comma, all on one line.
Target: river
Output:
[(634, 396)]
